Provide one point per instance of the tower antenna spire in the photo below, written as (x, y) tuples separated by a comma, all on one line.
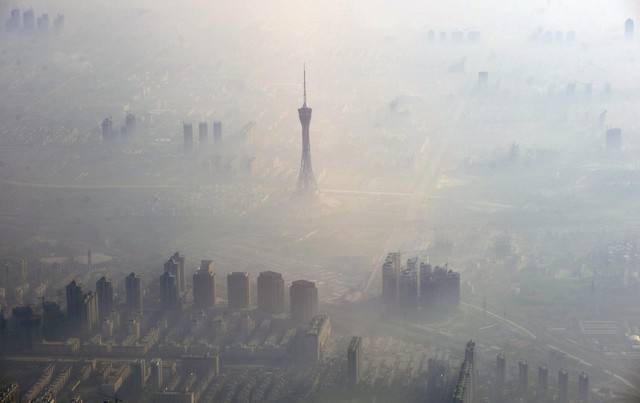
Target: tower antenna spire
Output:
[(304, 83)]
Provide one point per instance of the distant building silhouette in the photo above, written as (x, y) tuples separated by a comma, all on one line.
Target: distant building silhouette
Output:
[(204, 285), (238, 291), (271, 292), (203, 133), (304, 300), (104, 291), (629, 29), (133, 291), (354, 360), (187, 133), (169, 291)]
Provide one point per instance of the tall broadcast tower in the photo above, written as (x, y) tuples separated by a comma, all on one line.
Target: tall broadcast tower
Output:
[(306, 180)]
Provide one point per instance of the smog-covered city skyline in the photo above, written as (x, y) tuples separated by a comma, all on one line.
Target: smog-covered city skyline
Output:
[(336, 201)]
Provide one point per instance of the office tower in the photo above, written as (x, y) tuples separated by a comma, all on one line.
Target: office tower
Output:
[(156, 374), (390, 272), (89, 313), (543, 380), (133, 290), (43, 23), (238, 293), (501, 370), (452, 289), (354, 360), (203, 133), (563, 386), (175, 266), (270, 292), (187, 132), (204, 285), (614, 139), (408, 290), (52, 321), (464, 389), (106, 330), (426, 285), (306, 180), (315, 339), (104, 291), (523, 377), (483, 78), (303, 297), (139, 375), (130, 123), (217, 132), (168, 291), (28, 20), (107, 130), (74, 303), (629, 28), (13, 24), (583, 387)]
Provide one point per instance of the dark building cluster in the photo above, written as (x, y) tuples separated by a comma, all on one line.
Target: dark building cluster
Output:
[(203, 134), (27, 21), (127, 129), (136, 353), (418, 287)]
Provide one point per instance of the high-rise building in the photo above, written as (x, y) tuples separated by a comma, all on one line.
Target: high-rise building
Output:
[(270, 292), (133, 290), (523, 377), (130, 123), (175, 266), (315, 338), (108, 136), (543, 380), (204, 285), (501, 371), (28, 20), (203, 133), (563, 386), (583, 387), (303, 297), (74, 304), (408, 283), (138, 374), (217, 132), (464, 390), (306, 179), (238, 291), (629, 28), (390, 272), (104, 291), (156, 375), (187, 133), (354, 360), (89, 313), (169, 291)]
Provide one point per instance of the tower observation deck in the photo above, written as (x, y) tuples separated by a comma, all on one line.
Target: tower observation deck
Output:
[(306, 180)]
